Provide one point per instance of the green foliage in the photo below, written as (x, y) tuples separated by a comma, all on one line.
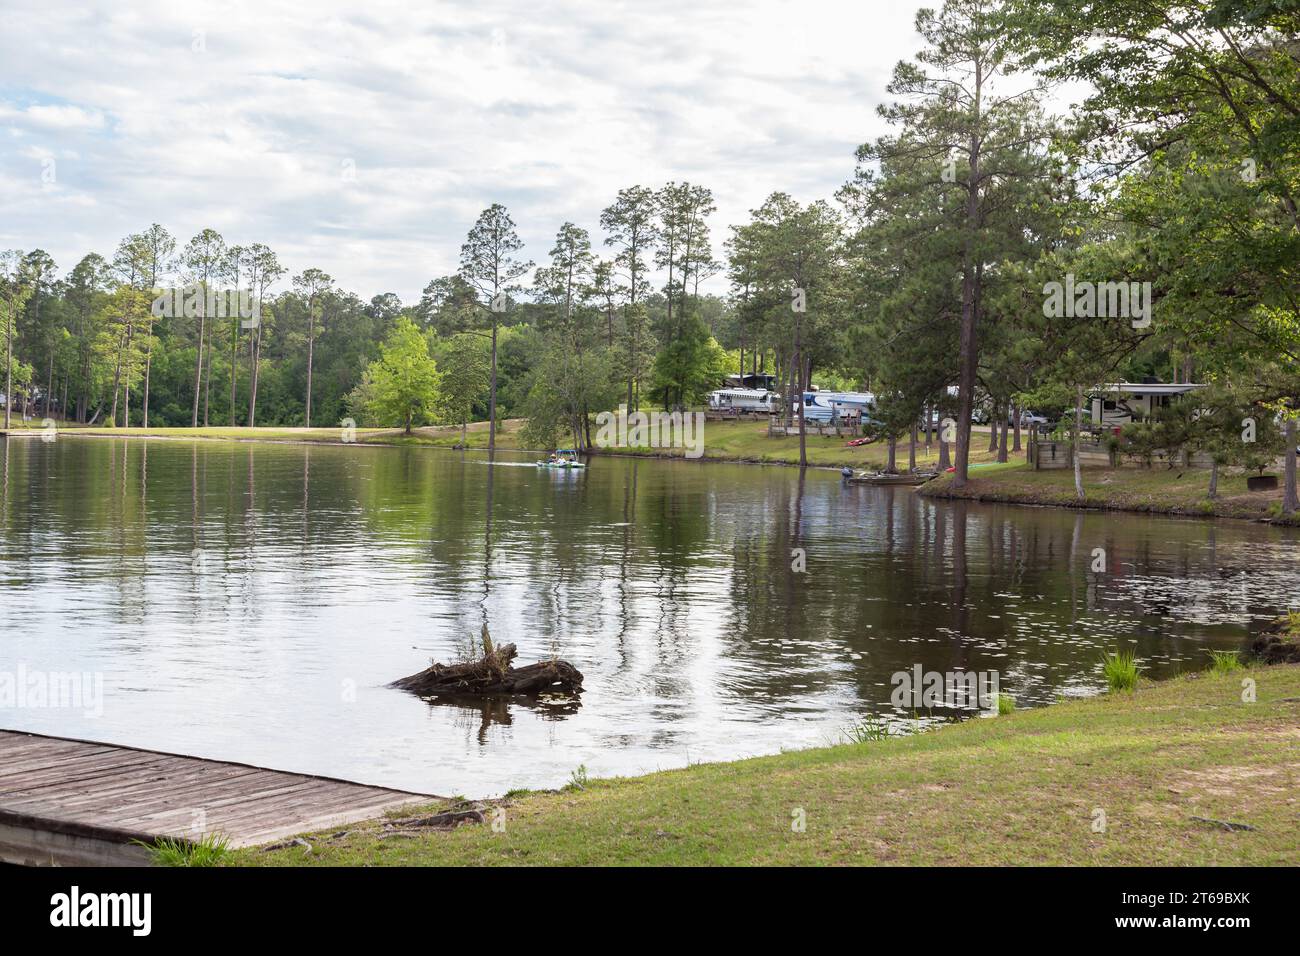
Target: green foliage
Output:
[(689, 366), (465, 364), (403, 384)]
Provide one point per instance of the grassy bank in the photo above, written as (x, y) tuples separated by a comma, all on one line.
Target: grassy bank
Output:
[(746, 441), (1027, 788), (440, 436), (1158, 490)]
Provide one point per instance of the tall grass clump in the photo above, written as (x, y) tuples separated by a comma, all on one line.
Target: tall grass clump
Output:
[(1120, 669), (1224, 662), (1006, 704), (208, 851), (867, 729)]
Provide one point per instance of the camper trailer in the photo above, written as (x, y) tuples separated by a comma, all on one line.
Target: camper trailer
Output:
[(742, 401), (1120, 403), (826, 406)]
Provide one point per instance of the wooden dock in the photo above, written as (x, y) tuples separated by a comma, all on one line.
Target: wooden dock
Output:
[(74, 802)]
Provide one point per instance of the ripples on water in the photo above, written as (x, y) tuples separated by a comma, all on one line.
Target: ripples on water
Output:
[(250, 602)]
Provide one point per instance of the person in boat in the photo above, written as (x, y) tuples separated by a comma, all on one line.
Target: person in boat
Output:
[(555, 459)]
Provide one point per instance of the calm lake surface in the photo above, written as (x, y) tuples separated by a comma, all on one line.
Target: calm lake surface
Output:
[(250, 602)]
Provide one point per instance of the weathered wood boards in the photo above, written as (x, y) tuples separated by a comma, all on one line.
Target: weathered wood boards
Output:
[(76, 802)]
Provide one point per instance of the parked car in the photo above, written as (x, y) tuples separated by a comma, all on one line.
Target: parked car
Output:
[(1028, 419)]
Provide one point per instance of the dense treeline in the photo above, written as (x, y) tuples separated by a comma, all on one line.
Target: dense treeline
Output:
[(111, 343), (984, 257)]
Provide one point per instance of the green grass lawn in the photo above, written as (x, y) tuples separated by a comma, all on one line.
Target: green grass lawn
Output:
[(1130, 488), (1027, 788), (747, 440)]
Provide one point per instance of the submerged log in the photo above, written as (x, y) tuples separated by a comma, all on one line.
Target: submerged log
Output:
[(493, 673)]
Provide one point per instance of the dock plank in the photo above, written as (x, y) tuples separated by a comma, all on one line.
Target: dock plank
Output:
[(74, 801)]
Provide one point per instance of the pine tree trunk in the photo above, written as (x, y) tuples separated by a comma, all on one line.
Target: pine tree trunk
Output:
[(126, 381), (207, 386), (234, 369), (117, 380), (148, 363), (803, 431), (311, 349), (1290, 502), (9, 359), (49, 385), (492, 393), (254, 358), (198, 365), (1078, 428)]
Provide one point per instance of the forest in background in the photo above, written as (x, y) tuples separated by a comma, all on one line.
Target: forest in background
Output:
[(924, 279)]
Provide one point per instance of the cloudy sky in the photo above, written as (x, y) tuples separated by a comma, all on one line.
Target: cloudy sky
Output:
[(364, 138)]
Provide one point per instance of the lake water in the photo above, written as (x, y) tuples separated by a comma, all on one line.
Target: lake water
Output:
[(251, 602)]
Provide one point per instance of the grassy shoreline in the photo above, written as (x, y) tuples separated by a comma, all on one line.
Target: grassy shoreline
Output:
[(744, 442), (1168, 765), (1173, 492)]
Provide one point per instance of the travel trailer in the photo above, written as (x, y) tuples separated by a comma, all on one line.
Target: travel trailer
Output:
[(825, 406), (744, 401), (1120, 403)]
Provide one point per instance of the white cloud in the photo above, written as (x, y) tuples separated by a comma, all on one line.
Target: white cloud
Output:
[(549, 109)]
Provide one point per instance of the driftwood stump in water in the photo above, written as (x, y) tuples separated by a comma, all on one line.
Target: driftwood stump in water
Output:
[(494, 674)]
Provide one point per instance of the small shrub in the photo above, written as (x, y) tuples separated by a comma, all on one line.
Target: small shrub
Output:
[(1120, 670), (578, 779), (1006, 704)]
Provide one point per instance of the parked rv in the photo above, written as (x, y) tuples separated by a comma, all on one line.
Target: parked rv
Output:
[(744, 401), (1120, 403), (825, 406)]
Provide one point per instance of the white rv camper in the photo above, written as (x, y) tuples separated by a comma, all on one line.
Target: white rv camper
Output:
[(743, 401), (825, 406)]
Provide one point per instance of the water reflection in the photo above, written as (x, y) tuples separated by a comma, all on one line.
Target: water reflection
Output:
[(252, 602), (500, 710)]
